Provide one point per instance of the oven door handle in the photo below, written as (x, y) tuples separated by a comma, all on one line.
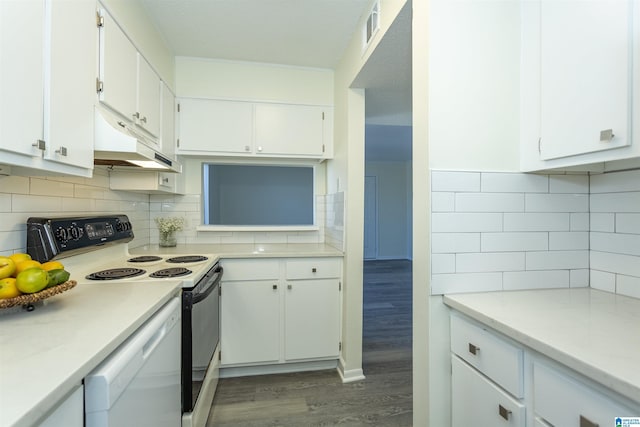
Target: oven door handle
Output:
[(215, 279)]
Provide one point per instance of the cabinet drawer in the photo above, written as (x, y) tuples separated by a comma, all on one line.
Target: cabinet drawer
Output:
[(313, 268), (493, 356), (478, 402), (251, 269), (562, 400)]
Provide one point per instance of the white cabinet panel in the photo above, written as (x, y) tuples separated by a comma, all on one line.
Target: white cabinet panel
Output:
[(148, 98), (287, 129), (118, 68), (313, 268), (251, 269), (215, 126), (70, 93), (476, 401), (21, 75), (312, 314), (250, 319), (586, 66), (168, 121), (69, 412)]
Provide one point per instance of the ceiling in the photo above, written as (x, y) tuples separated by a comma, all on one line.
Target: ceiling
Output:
[(308, 33)]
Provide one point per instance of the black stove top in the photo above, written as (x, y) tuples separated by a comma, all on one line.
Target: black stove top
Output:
[(170, 272), (116, 273), (145, 258), (187, 258)]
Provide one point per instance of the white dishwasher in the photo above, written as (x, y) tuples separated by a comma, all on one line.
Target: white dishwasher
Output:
[(139, 383)]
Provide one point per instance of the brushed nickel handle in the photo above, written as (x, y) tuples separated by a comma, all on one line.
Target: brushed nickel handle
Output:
[(314, 270), (585, 422), (144, 119), (606, 135), (247, 148), (62, 151), (504, 412), (289, 287), (40, 144), (136, 115), (473, 349), (275, 287)]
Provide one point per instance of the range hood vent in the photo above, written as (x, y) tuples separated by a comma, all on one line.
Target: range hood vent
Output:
[(117, 144)]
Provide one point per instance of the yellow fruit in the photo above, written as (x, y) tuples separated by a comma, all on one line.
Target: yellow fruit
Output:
[(8, 288), (19, 257), (52, 265), (32, 280), (25, 265), (7, 267)]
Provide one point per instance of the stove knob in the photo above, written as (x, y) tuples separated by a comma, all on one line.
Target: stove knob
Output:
[(62, 235), (76, 232)]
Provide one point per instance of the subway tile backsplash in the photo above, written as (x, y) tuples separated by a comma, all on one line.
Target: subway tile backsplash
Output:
[(507, 231)]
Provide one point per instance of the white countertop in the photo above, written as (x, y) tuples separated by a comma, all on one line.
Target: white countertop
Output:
[(45, 353), (593, 332), (267, 250)]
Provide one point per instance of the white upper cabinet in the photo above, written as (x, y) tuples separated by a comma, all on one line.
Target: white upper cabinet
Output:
[(254, 129), (118, 68), (168, 121), (21, 69), (148, 98), (47, 83), (70, 83), (578, 82), (208, 125)]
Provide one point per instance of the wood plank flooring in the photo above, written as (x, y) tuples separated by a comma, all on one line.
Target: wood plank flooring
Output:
[(319, 398)]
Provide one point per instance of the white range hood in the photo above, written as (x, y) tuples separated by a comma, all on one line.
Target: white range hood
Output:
[(118, 144)]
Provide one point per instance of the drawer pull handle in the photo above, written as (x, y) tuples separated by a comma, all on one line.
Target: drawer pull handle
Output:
[(313, 270), (505, 413), (275, 287), (585, 422), (473, 349), (289, 287)]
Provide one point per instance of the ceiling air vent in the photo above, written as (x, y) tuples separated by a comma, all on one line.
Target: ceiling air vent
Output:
[(372, 25)]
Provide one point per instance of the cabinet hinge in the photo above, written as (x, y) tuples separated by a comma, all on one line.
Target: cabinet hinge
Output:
[(220, 355), (178, 106), (99, 20), (323, 115), (323, 148), (540, 145), (340, 346), (178, 142), (339, 286), (219, 290), (99, 85)]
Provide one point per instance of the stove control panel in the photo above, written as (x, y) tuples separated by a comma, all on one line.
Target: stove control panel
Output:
[(57, 237)]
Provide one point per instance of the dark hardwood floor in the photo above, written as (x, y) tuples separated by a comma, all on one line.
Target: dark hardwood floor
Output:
[(319, 398)]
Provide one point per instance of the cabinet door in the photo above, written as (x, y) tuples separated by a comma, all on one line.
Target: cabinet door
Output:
[(585, 76), (289, 130), (118, 68), (312, 319), (215, 126), (476, 401), (21, 69), (148, 111), (69, 412), (168, 121), (70, 95), (250, 322)]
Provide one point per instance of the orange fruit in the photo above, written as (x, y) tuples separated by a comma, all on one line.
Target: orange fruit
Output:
[(19, 257), (25, 265), (32, 280), (52, 265), (7, 267), (8, 288)]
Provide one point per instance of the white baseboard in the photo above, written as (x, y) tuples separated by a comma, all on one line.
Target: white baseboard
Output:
[(351, 375), (281, 368)]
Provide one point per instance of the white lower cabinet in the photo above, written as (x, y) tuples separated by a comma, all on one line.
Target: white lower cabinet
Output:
[(562, 400), (267, 318), (69, 412), (477, 401)]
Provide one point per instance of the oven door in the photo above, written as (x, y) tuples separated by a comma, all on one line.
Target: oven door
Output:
[(200, 334)]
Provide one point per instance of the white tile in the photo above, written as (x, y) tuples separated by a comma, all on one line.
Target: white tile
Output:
[(514, 242), (78, 205), (443, 263), (44, 187), (627, 285), (442, 243), (489, 261), (603, 281), (557, 260), (518, 280), (466, 222), (567, 241), (628, 244), (615, 263), (579, 221), (455, 181), (536, 222), (557, 203), (469, 282), (5, 203), (489, 202), (35, 204), (442, 202), (579, 278), (10, 221), (14, 185), (13, 241), (569, 184), (88, 192), (616, 202), (628, 223), (604, 222), (615, 182), (514, 182)]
